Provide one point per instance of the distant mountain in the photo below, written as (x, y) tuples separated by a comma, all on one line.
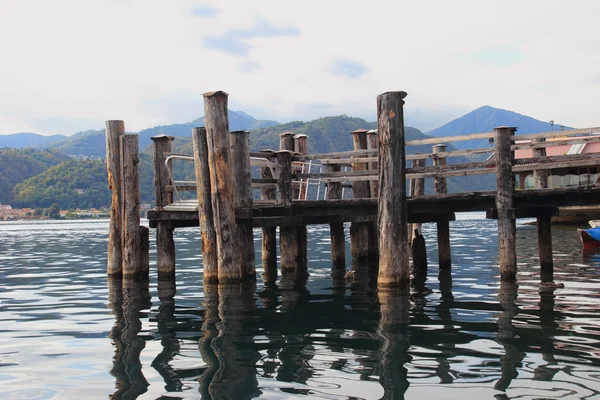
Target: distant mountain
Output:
[(26, 139), (485, 119), (93, 143)]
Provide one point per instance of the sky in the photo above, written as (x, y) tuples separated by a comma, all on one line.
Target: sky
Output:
[(70, 65)]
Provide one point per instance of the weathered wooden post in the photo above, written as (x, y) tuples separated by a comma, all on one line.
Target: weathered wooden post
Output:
[(229, 252), (205, 211), (144, 248), (300, 147), (394, 266), (269, 238), (242, 184), (505, 183), (373, 144), (114, 130), (336, 229), (544, 222), (165, 246), (443, 227), (132, 267), (416, 187), (360, 242), (288, 245)]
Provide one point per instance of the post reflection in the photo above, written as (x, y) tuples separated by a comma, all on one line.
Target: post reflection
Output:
[(226, 347), (393, 352), (513, 355), (127, 299), (166, 324)]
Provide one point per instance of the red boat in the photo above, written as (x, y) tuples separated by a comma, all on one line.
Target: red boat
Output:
[(590, 238)]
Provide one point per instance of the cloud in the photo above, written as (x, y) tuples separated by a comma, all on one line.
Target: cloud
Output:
[(249, 66), (238, 41), (205, 11), (497, 56), (349, 69)]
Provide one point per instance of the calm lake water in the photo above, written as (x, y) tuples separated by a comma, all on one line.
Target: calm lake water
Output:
[(68, 333)]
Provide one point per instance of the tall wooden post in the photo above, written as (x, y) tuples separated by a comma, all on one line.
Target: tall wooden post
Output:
[(336, 229), (114, 130), (269, 238), (132, 267), (544, 222), (505, 183), (288, 245), (205, 211), (373, 144), (443, 227), (359, 231), (394, 266), (165, 246), (242, 184), (416, 187), (300, 147), (229, 255)]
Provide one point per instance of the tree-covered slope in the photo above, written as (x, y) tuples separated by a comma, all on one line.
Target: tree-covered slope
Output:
[(76, 184), (16, 165)]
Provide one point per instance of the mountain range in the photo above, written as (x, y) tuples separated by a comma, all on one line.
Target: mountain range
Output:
[(326, 134)]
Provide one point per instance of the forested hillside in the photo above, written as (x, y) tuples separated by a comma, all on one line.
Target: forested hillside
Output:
[(17, 165), (76, 184)]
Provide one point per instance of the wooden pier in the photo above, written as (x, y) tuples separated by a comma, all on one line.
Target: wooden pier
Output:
[(238, 190)]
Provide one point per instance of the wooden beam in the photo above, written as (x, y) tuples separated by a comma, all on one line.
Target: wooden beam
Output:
[(448, 139)]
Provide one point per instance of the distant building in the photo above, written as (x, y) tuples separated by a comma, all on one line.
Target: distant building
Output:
[(562, 177)]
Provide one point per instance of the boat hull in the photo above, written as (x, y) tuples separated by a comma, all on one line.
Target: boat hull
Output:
[(589, 243)]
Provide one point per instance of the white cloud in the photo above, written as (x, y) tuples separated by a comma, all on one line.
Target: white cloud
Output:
[(146, 61)]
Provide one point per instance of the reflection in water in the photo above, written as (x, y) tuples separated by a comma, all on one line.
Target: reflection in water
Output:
[(127, 299), (393, 353), (507, 336), (166, 326)]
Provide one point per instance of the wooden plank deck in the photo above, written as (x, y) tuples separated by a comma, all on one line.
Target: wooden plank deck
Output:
[(527, 203)]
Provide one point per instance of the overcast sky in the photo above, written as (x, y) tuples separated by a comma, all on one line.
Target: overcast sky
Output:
[(69, 65)]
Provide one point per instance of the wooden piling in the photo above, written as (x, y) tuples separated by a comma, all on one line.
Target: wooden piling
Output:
[(288, 245), (269, 238), (300, 147), (361, 245), (373, 144), (505, 183), (419, 252), (205, 211), (132, 267), (165, 246), (144, 248), (443, 227), (544, 222), (336, 229), (394, 266), (416, 187), (242, 184), (114, 130), (229, 254)]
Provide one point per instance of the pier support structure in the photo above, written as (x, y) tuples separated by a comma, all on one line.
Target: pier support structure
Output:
[(505, 186), (394, 266), (269, 234), (114, 131), (165, 246), (229, 250), (359, 231), (205, 211), (416, 188), (544, 222), (440, 186)]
